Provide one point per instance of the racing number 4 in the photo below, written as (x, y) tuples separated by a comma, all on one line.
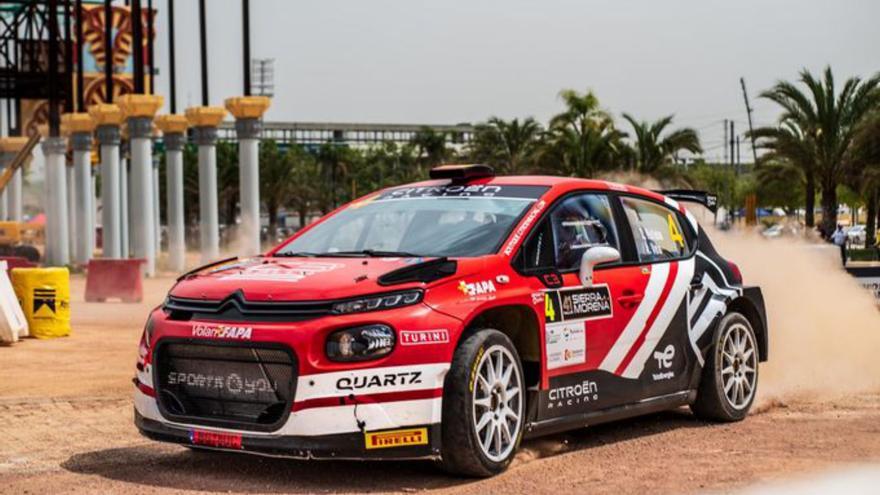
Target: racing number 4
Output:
[(549, 310), (674, 233)]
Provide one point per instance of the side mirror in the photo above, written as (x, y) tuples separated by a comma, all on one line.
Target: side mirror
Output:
[(595, 256)]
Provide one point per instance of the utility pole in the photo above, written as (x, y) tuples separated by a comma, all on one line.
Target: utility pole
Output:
[(246, 45), (749, 109), (80, 90), (151, 62), (171, 63), (738, 162), (203, 43), (137, 36), (725, 142), (108, 51), (732, 143)]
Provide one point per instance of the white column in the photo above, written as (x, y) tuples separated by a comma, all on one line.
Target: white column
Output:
[(83, 199), (206, 138), (157, 222), (93, 211), (72, 230), (124, 214), (57, 234), (248, 131), (174, 143), (111, 219), (141, 193)]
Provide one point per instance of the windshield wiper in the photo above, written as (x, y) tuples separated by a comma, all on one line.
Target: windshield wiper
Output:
[(296, 255), (373, 253)]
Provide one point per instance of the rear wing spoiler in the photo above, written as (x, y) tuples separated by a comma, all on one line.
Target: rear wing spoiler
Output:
[(704, 198)]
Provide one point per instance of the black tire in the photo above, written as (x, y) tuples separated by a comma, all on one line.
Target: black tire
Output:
[(462, 453), (712, 402)]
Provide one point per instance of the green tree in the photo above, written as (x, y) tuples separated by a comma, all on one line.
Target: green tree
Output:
[(582, 139), (509, 146), (864, 158), (276, 182), (653, 152), (828, 120), (790, 154), (431, 147), (306, 184)]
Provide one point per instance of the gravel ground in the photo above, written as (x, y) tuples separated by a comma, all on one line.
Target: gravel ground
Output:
[(66, 425)]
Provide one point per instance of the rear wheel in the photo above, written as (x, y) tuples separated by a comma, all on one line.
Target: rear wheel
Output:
[(483, 406), (730, 376)]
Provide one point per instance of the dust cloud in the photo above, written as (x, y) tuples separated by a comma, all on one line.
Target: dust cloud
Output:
[(824, 327)]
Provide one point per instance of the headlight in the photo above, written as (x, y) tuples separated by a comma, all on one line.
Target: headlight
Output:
[(379, 302), (146, 338), (360, 343)]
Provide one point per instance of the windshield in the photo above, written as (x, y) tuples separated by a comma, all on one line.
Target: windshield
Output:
[(455, 221)]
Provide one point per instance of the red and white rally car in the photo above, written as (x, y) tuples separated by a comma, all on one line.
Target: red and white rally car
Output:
[(449, 319)]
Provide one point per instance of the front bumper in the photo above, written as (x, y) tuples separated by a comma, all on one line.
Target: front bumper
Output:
[(334, 446)]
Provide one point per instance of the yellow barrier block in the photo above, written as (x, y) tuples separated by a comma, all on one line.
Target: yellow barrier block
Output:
[(205, 116), (44, 295), (248, 107)]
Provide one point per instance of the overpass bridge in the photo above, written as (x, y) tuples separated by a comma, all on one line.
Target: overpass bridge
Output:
[(317, 133)]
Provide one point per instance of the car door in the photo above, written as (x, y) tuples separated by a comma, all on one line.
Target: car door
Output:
[(653, 350), (582, 324)]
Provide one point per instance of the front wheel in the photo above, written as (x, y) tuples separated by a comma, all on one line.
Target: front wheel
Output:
[(730, 376), (483, 406)]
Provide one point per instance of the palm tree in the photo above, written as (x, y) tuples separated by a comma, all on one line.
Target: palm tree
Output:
[(864, 157), (582, 139), (789, 153), (828, 121), (652, 152), (509, 146), (431, 147)]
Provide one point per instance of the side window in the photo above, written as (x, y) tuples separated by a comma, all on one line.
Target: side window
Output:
[(575, 225), (579, 223), (656, 230)]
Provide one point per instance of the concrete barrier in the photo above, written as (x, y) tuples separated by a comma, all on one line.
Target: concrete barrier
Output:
[(114, 279), (13, 324)]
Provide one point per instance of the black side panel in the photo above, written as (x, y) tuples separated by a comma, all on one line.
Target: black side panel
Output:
[(754, 295)]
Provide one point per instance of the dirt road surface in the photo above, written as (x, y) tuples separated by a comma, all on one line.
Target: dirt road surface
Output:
[(66, 422)]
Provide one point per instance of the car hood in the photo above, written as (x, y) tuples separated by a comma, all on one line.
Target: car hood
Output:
[(292, 279)]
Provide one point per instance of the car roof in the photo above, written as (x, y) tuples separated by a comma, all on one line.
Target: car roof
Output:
[(561, 184)]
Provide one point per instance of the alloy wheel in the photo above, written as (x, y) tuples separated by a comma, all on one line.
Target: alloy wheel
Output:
[(498, 403), (738, 366)]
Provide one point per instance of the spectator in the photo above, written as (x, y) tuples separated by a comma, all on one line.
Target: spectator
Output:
[(839, 239)]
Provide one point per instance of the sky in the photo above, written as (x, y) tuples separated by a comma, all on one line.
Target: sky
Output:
[(453, 61), (407, 61)]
